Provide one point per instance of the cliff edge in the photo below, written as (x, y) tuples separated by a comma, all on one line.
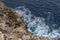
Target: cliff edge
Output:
[(12, 26)]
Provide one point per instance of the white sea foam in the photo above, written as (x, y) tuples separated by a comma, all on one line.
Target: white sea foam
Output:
[(37, 24)]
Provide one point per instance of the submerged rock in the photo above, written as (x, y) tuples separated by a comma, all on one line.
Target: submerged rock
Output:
[(12, 26)]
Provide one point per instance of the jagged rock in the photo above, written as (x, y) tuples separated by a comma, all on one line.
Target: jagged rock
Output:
[(12, 26)]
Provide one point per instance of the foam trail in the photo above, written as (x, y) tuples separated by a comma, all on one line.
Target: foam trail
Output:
[(36, 24)]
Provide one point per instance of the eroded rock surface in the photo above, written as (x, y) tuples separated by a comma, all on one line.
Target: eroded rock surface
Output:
[(12, 26)]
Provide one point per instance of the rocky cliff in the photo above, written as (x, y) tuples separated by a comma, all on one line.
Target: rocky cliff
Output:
[(12, 26)]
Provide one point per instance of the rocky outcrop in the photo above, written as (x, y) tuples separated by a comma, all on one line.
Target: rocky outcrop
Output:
[(12, 26)]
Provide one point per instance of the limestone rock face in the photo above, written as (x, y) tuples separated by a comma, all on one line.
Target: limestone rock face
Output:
[(12, 26), (1, 36)]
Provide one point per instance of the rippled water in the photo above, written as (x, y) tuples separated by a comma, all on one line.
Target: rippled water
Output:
[(41, 16)]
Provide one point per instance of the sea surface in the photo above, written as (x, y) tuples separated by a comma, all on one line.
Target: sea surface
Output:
[(41, 16)]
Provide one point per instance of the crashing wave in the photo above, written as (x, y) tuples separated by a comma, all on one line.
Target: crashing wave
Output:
[(36, 24)]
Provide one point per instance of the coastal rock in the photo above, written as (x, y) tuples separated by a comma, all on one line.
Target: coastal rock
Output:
[(1, 36), (13, 27)]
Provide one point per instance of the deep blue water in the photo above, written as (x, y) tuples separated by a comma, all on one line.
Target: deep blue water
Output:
[(47, 9)]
